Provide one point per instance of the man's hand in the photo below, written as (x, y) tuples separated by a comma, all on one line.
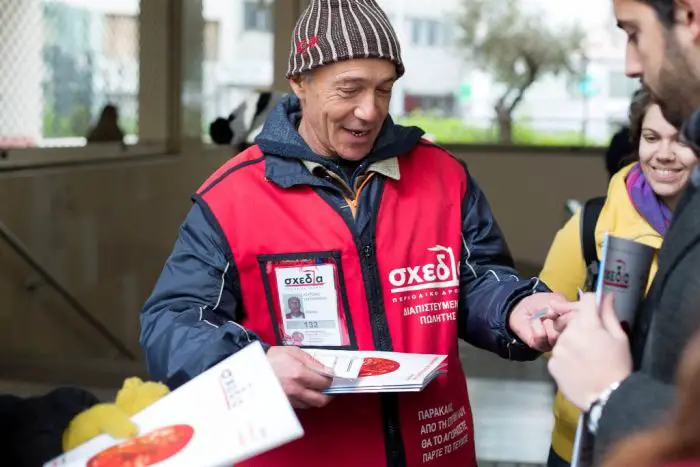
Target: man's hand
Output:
[(592, 353), (536, 332), (302, 376)]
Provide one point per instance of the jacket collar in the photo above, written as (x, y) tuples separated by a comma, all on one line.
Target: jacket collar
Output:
[(620, 216), (683, 233), (387, 167)]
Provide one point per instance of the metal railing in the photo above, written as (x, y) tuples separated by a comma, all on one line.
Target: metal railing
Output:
[(16, 244)]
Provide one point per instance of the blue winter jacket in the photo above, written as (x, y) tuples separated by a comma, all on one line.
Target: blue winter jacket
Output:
[(190, 322)]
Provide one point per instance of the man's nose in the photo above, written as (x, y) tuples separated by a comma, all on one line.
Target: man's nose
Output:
[(367, 109), (633, 65)]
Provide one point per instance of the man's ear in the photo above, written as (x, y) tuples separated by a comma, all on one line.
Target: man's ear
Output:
[(299, 86), (687, 13)]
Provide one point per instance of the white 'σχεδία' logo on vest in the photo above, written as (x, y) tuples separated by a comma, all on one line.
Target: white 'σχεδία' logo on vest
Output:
[(437, 275)]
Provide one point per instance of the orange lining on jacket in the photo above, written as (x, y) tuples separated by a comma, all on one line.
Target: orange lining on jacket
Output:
[(353, 202)]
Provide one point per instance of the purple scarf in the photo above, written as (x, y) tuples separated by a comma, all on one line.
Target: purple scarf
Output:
[(646, 202)]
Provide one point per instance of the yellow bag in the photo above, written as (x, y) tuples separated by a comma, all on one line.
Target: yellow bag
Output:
[(113, 418)]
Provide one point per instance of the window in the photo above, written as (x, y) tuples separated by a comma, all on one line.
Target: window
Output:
[(61, 63), (431, 28), (459, 107), (211, 41), (427, 32), (121, 37), (257, 16), (448, 39), (416, 31), (238, 55)]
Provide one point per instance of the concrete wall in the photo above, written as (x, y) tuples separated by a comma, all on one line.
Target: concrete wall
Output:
[(527, 190), (105, 230)]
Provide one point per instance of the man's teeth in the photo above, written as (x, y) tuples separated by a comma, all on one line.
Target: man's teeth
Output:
[(359, 133)]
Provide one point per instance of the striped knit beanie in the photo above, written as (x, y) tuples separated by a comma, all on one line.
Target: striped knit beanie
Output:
[(330, 31)]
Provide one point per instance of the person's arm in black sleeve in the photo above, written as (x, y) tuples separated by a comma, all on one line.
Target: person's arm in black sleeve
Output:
[(489, 284), (647, 398), (31, 429), (640, 403), (189, 323)]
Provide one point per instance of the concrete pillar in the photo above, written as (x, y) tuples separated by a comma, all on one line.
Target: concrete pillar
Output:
[(157, 56), (21, 72), (192, 47), (285, 15)]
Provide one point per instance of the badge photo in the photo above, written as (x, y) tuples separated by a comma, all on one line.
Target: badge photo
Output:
[(307, 299)]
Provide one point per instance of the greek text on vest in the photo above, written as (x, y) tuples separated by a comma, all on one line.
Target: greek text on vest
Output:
[(441, 273)]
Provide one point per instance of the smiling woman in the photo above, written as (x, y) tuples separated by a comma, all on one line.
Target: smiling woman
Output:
[(665, 161)]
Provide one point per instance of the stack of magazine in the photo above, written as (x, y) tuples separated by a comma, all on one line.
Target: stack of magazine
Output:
[(370, 371)]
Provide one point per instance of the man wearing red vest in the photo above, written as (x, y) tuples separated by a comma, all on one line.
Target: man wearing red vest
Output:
[(383, 240)]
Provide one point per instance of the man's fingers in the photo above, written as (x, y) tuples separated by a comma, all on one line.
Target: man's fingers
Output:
[(544, 313), (552, 333), (561, 307), (563, 321), (588, 311), (297, 404), (538, 336), (313, 398), (313, 364), (312, 379), (609, 318)]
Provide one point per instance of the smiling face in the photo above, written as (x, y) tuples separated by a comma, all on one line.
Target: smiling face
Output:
[(665, 161), (664, 56), (344, 106)]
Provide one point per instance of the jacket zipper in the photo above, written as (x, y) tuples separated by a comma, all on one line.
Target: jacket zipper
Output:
[(395, 452)]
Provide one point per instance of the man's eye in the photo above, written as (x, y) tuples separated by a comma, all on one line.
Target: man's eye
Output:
[(632, 37), (348, 91)]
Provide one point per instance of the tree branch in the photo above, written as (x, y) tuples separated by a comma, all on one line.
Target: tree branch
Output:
[(501, 102), (532, 72)]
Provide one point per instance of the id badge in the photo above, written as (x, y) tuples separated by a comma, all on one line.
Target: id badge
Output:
[(308, 301)]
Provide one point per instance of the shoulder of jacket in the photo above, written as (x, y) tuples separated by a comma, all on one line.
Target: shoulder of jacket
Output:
[(619, 215), (246, 158), (443, 157)]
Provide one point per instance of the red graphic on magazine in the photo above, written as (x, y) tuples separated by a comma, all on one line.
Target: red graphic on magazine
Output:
[(373, 366), (145, 450)]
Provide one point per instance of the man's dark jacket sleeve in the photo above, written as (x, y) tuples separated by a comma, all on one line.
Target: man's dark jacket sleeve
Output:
[(489, 285), (667, 321), (641, 402), (189, 323)]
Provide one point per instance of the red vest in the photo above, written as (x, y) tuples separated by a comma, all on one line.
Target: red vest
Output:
[(417, 247)]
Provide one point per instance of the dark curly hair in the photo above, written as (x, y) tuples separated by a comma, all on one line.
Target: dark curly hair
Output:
[(664, 9), (641, 101)]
